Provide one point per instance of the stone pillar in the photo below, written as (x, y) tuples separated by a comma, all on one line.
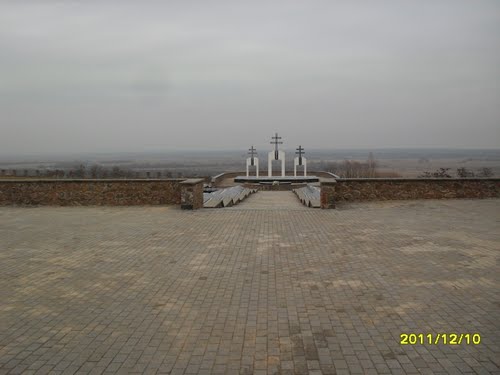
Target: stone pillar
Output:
[(270, 158), (327, 194), (192, 194), (256, 164)]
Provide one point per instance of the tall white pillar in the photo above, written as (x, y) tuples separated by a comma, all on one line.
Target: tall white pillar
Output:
[(270, 158), (256, 164), (296, 163)]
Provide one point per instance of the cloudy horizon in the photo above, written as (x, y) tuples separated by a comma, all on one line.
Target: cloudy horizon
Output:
[(118, 76)]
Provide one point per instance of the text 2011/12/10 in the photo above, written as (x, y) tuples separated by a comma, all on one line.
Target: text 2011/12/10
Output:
[(440, 338)]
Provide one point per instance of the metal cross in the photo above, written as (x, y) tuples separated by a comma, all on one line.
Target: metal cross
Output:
[(300, 152), (276, 143), (252, 153)]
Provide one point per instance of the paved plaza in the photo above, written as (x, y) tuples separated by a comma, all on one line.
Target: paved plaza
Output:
[(250, 289)]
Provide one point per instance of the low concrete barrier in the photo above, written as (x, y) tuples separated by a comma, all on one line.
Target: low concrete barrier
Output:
[(271, 187), (366, 189), (216, 180)]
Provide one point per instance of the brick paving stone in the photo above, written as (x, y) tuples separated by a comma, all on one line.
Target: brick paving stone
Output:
[(249, 289)]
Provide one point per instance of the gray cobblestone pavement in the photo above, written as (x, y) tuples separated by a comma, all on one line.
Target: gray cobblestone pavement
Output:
[(249, 291)]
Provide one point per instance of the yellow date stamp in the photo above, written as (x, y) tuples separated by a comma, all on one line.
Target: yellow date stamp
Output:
[(439, 338)]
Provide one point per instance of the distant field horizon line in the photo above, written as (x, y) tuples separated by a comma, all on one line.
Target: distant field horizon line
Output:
[(238, 150)]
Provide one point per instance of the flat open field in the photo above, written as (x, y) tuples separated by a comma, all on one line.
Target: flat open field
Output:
[(250, 289)]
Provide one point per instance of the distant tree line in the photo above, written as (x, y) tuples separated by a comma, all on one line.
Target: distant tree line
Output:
[(94, 171), (353, 168), (368, 169), (98, 172), (460, 173)]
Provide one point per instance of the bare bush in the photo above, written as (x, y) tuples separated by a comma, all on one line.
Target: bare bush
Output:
[(371, 165), (353, 168), (464, 172), (485, 172), (96, 171), (440, 173), (461, 173)]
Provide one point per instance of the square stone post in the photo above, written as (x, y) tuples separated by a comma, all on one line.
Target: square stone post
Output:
[(192, 194), (327, 194)]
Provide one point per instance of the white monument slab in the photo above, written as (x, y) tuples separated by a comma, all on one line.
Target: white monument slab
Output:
[(252, 161), (296, 163), (277, 154), (299, 161), (272, 156), (255, 163)]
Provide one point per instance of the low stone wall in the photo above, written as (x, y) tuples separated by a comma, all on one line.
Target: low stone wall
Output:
[(91, 192), (364, 189), (215, 180)]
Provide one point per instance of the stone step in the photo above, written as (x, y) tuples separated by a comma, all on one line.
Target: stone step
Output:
[(227, 197), (309, 196)]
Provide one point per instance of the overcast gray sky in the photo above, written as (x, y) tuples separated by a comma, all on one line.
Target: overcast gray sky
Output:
[(161, 75)]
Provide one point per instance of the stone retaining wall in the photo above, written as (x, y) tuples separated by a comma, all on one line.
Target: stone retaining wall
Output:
[(91, 192), (355, 189)]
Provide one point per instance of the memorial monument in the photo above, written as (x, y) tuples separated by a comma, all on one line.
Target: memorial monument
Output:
[(252, 161), (276, 155), (299, 161)]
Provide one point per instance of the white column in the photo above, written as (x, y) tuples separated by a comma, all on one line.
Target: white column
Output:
[(282, 156), (270, 158), (296, 163), (256, 164)]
